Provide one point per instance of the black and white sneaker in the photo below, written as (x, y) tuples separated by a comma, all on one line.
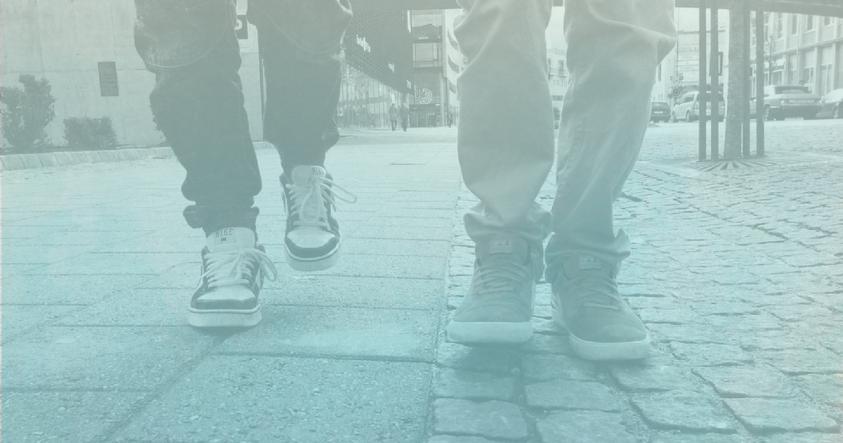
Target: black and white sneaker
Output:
[(233, 269), (312, 240)]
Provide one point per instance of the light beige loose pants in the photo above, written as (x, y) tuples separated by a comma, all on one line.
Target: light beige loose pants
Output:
[(506, 143)]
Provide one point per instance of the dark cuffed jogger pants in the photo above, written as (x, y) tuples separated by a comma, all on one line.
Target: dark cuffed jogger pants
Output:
[(197, 101)]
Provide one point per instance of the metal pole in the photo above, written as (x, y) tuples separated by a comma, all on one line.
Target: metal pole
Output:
[(760, 41), (747, 83), (715, 84), (262, 81), (703, 148)]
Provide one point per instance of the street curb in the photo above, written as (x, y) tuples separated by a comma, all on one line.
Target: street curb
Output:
[(65, 158), (12, 162)]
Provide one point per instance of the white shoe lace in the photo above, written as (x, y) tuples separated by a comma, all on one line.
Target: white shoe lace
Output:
[(308, 201), (238, 267)]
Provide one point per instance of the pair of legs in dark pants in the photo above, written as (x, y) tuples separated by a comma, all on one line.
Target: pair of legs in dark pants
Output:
[(198, 103)]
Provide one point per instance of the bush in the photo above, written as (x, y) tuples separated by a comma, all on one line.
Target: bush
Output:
[(89, 133), (26, 112)]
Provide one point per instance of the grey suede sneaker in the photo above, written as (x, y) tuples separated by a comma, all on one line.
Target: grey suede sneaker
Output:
[(601, 325), (499, 304)]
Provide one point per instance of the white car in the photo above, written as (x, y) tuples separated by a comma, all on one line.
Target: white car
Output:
[(831, 106), (687, 107)]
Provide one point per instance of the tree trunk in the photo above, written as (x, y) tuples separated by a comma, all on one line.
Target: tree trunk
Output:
[(738, 67)]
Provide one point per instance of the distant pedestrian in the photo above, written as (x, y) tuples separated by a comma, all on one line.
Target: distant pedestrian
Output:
[(405, 116), (393, 116)]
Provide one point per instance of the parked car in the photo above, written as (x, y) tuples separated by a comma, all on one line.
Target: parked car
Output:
[(687, 107), (659, 112), (831, 106), (782, 101)]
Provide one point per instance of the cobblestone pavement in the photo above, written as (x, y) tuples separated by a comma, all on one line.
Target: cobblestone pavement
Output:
[(738, 273)]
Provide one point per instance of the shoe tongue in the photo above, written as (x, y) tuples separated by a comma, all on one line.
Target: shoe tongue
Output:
[(584, 263), (304, 174), (231, 238), (503, 247)]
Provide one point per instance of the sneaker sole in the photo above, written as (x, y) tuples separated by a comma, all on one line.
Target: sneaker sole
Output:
[(600, 351), (315, 264), (489, 332), (224, 318)]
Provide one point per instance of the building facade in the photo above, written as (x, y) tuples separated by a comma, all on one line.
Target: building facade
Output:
[(429, 102), (378, 67), (680, 70), (85, 49), (803, 50), (800, 50)]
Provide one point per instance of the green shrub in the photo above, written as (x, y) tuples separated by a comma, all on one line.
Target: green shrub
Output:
[(89, 133), (26, 112)]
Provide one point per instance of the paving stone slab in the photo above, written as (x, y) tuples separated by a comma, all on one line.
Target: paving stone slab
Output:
[(724, 307), (185, 241), (744, 324), (17, 319), (388, 247), (106, 264), (774, 340), (457, 439), (688, 333), (180, 276), (393, 266), (670, 316), (492, 419), (62, 289), (685, 437), (185, 275), (503, 360), (684, 411), (357, 292), (748, 382), (323, 331), (135, 307), (550, 367), (803, 361), (584, 427), (99, 358), (37, 236), (710, 354), (797, 313), (572, 394), (472, 385), (804, 437), (777, 415), (656, 377), (45, 254), (434, 232), (240, 398), (63, 416), (548, 344), (826, 388)]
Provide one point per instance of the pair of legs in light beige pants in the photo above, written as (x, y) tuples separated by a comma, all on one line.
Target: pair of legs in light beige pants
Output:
[(506, 143)]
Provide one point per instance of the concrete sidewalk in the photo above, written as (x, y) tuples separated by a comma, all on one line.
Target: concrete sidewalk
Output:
[(738, 273)]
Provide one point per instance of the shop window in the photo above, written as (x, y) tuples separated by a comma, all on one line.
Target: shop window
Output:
[(426, 54)]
